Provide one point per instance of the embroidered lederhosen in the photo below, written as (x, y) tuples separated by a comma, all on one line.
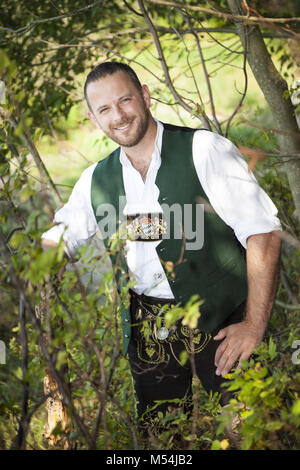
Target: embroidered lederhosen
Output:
[(153, 340)]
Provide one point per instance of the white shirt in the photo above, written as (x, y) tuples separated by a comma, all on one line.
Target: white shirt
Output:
[(232, 190)]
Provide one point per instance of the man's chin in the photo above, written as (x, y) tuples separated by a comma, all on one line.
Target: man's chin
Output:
[(130, 141), (124, 142)]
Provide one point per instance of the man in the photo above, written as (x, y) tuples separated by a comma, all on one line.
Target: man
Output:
[(157, 165)]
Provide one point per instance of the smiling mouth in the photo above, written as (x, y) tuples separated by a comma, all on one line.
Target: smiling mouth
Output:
[(124, 127)]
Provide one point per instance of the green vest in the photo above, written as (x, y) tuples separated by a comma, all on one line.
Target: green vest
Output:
[(217, 271)]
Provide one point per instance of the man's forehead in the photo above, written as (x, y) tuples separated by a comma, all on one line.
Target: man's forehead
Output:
[(110, 86)]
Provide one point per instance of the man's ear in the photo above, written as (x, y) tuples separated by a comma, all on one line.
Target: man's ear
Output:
[(146, 95)]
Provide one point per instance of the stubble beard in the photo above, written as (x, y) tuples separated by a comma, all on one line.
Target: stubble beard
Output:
[(143, 124)]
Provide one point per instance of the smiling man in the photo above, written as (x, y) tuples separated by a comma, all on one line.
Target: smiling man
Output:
[(126, 118), (157, 166), (120, 108)]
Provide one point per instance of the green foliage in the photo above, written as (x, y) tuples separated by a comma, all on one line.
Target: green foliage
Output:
[(266, 402), (75, 328)]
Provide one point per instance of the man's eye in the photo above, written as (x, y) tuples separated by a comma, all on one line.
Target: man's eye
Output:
[(125, 99), (103, 110)]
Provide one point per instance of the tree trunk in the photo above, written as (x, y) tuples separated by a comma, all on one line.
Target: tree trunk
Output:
[(56, 410), (275, 90)]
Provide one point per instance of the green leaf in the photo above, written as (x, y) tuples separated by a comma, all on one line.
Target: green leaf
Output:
[(4, 60), (183, 357), (272, 349), (61, 359), (216, 445), (296, 408)]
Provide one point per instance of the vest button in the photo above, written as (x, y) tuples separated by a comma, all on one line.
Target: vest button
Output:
[(126, 336), (126, 320)]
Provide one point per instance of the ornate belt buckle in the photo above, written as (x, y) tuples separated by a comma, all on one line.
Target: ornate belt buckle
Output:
[(146, 227)]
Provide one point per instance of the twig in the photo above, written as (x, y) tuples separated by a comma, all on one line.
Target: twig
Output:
[(128, 421), (30, 144), (196, 391), (287, 306), (271, 130), (163, 63), (132, 9), (103, 387), (205, 117), (23, 424), (228, 16), (207, 79), (33, 24), (239, 105), (116, 355), (61, 302), (292, 297)]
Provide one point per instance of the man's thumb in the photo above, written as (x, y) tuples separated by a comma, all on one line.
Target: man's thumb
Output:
[(221, 334)]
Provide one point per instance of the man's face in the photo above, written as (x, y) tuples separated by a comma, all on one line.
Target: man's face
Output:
[(120, 110)]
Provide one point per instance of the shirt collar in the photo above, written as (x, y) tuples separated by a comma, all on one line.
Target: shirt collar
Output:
[(156, 159)]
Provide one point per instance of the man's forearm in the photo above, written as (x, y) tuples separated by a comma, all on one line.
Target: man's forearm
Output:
[(262, 270), (240, 339)]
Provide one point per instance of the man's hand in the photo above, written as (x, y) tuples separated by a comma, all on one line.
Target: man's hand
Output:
[(240, 340), (262, 274)]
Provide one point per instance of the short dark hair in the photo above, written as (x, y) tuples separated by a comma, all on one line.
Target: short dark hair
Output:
[(109, 68)]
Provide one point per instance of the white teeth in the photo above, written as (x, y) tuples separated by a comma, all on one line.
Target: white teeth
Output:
[(123, 127)]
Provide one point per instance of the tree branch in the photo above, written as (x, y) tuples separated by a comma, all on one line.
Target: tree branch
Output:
[(227, 16), (162, 60), (206, 75), (239, 105), (25, 29)]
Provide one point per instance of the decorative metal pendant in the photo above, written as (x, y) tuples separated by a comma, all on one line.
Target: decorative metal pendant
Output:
[(146, 227), (162, 333)]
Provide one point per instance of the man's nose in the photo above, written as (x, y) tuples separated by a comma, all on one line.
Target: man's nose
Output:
[(118, 114)]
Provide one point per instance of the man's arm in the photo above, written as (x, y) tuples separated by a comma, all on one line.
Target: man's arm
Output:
[(262, 273), (46, 244)]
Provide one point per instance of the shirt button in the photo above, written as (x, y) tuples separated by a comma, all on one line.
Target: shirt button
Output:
[(126, 320), (126, 336), (158, 276)]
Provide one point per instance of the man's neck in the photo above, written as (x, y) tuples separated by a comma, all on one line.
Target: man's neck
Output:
[(141, 154)]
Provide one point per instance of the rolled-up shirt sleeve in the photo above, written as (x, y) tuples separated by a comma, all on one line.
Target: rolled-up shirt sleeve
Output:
[(231, 188), (75, 221)]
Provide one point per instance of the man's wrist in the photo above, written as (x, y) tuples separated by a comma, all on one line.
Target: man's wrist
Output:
[(255, 325)]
